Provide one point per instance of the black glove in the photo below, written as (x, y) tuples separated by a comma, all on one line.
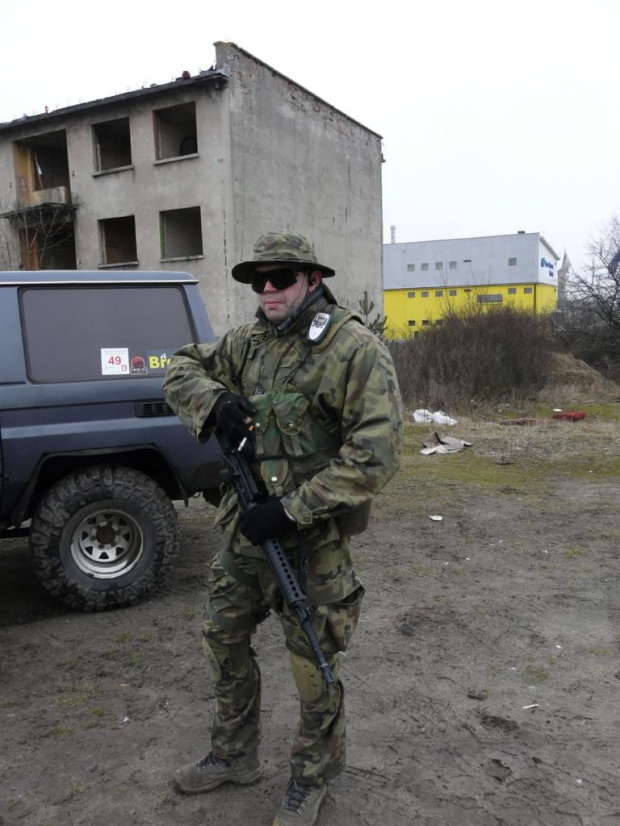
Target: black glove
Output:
[(268, 521), (230, 411)]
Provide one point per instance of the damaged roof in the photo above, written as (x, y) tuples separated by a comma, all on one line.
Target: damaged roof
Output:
[(210, 76)]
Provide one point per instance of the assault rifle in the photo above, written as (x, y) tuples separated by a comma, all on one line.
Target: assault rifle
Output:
[(249, 495)]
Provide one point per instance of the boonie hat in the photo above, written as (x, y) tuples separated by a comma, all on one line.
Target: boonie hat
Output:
[(280, 248)]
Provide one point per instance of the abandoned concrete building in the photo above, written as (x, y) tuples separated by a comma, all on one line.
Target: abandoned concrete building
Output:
[(185, 175)]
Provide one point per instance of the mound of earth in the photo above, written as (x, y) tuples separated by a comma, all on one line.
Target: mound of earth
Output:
[(570, 372)]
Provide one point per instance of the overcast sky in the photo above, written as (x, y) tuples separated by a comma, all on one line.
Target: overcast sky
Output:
[(497, 115)]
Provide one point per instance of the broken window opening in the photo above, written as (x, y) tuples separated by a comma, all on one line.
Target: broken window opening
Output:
[(49, 160), (112, 143), (118, 240), (181, 233), (42, 166), (175, 131)]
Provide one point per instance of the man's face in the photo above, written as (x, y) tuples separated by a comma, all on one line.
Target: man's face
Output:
[(279, 304)]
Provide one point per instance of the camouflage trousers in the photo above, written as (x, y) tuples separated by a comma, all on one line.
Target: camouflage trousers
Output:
[(241, 591)]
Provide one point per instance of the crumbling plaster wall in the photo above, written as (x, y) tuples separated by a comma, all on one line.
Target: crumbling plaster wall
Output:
[(9, 243), (300, 164), (149, 186), (144, 189)]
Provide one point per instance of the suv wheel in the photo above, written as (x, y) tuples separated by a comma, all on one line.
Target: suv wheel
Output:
[(103, 537)]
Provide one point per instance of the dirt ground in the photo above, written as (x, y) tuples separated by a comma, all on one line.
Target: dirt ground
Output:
[(482, 684)]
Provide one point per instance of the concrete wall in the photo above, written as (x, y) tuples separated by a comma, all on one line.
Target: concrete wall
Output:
[(150, 186), (145, 188), (297, 163), (7, 176)]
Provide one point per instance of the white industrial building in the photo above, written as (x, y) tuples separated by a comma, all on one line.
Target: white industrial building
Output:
[(423, 279)]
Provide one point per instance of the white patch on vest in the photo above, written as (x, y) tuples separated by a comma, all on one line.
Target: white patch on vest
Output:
[(319, 326)]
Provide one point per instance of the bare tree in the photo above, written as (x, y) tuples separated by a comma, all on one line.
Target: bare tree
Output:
[(588, 322), (597, 288), (10, 256), (37, 237)]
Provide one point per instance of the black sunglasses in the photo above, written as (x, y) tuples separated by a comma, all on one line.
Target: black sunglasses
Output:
[(280, 279)]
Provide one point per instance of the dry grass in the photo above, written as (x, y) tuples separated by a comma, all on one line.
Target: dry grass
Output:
[(573, 381), (544, 440), (532, 454)]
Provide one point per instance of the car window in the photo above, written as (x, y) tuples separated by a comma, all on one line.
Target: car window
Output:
[(83, 333)]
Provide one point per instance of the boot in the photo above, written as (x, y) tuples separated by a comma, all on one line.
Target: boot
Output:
[(213, 771), (300, 806)]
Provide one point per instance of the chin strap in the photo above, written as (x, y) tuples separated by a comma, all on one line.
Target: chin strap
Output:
[(285, 325)]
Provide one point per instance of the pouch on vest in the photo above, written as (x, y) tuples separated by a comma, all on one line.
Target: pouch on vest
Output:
[(290, 445), (274, 465)]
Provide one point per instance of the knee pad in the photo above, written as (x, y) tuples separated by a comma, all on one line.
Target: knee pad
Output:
[(308, 677)]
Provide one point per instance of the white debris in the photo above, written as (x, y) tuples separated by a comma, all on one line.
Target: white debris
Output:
[(424, 416), (439, 417), (421, 416), (436, 518)]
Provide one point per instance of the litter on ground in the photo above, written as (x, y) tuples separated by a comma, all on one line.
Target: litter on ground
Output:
[(566, 415), (523, 420), (442, 444), (570, 415), (423, 416)]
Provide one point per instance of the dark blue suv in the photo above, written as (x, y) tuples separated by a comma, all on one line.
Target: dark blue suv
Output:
[(91, 456)]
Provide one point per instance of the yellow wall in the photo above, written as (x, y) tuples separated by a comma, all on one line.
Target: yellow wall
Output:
[(428, 304)]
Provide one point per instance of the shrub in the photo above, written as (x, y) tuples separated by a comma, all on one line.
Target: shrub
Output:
[(476, 355), (582, 332)]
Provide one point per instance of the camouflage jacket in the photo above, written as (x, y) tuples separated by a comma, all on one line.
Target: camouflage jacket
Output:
[(329, 428)]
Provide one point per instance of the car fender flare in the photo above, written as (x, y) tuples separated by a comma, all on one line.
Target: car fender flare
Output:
[(21, 506)]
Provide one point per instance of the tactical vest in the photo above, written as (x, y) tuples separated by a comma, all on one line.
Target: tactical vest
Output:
[(293, 442)]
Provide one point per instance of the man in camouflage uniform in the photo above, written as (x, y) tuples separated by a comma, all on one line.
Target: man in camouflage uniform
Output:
[(320, 393)]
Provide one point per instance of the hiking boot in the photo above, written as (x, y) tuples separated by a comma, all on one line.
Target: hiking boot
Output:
[(300, 806), (211, 772)]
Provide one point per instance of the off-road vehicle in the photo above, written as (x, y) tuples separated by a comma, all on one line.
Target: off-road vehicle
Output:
[(91, 456)]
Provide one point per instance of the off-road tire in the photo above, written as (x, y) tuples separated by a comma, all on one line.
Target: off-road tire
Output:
[(103, 537)]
